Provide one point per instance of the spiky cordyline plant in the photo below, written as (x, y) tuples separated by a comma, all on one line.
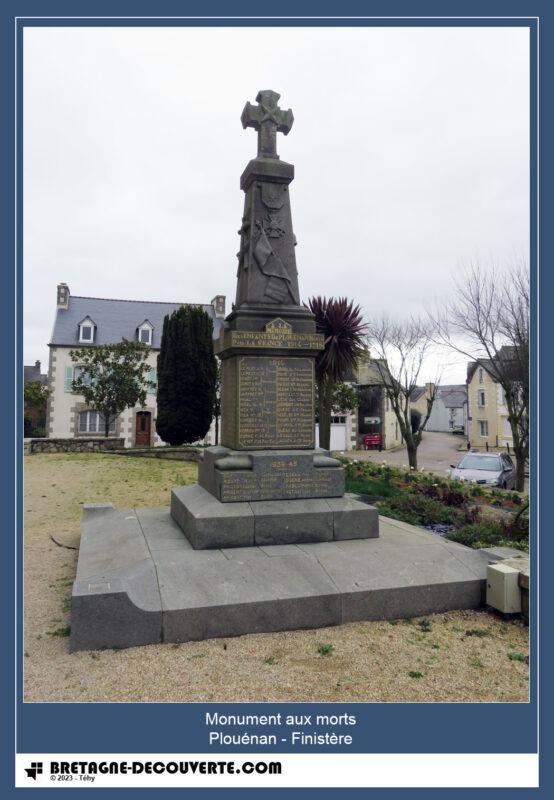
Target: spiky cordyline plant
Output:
[(340, 321)]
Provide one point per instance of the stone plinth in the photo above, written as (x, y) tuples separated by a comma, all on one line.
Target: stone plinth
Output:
[(267, 382), (208, 524), (236, 476)]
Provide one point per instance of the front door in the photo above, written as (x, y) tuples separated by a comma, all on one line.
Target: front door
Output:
[(142, 431)]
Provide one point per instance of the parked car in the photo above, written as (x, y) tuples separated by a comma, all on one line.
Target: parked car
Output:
[(494, 469)]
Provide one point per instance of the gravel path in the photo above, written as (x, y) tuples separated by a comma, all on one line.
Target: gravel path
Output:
[(465, 656)]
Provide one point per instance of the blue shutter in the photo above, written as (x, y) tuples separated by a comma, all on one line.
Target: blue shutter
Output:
[(68, 379), (153, 378)]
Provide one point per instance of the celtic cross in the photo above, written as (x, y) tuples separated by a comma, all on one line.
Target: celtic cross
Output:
[(267, 118)]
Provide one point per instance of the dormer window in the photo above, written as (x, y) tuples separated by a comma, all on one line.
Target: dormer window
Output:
[(86, 331), (145, 332)]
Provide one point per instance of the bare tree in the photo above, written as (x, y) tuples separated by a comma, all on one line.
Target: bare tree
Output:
[(401, 349), (488, 321)]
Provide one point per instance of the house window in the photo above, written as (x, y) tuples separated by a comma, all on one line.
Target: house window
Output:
[(80, 372), (387, 403), (92, 422), (152, 379), (338, 420), (481, 398), (483, 427), (86, 331), (144, 332), (480, 375)]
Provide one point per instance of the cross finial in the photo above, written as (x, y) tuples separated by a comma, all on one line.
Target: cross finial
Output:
[(267, 118)]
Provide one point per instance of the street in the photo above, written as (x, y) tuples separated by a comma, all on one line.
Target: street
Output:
[(436, 453)]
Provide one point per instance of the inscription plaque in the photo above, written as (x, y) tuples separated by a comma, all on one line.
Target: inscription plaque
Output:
[(274, 339), (275, 402), (288, 484)]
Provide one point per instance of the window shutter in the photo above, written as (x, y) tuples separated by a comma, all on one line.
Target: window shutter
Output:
[(68, 379), (153, 379)]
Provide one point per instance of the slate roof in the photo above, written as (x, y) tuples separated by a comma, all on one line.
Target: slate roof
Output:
[(32, 374), (453, 396), (115, 319), (417, 392)]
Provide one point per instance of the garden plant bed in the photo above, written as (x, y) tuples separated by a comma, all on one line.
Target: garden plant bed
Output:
[(471, 514)]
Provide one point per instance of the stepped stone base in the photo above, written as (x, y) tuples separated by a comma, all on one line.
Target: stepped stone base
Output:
[(209, 524), (139, 581)]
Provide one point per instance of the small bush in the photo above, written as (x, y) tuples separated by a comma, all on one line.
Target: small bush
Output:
[(371, 486), (518, 657), (452, 497), (428, 490), (424, 625), (60, 632), (416, 509), (325, 649), (415, 674), (490, 533)]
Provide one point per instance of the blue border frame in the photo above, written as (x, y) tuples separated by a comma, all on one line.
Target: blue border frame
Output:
[(383, 727)]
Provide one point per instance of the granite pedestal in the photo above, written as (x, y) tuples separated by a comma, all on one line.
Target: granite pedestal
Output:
[(269, 497), (139, 581)]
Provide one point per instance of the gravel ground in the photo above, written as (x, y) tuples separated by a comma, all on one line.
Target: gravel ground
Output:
[(459, 656)]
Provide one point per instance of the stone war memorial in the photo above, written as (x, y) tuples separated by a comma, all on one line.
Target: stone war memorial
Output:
[(266, 540), (267, 484)]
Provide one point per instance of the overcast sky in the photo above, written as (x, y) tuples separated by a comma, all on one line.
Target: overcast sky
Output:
[(410, 146)]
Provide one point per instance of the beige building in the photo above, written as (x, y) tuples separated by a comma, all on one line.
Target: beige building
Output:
[(89, 321), (488, 422), (419, 398), (374, 415)]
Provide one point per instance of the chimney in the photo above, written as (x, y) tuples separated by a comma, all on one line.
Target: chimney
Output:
[(63, 295), (37, 365), (218, 304)]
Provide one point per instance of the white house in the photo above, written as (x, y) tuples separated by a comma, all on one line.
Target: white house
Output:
[(82, 321), (449, 410)]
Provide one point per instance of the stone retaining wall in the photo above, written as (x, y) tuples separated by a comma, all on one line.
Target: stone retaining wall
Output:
[(174, 453), (75, 445)]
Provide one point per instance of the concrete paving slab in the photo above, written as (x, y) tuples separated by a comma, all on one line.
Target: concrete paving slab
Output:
[(138, 582)]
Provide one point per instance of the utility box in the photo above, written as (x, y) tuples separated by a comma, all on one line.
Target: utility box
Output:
[(503, 592)]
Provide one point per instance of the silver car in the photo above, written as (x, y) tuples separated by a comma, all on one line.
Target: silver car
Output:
[(494, 469)]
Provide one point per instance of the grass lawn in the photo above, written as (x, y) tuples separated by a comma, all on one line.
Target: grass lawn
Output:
[(459, 656)]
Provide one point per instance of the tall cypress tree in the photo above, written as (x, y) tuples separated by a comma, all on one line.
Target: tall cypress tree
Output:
[(187, 375)]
